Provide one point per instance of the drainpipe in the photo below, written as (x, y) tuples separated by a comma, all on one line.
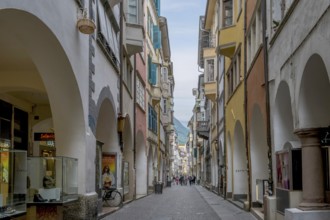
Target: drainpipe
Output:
[(134, 125), (246, 115), (158, 149), (225, 135), (121, 54), (269, 140)]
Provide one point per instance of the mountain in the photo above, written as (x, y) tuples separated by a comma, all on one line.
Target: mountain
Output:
[(182, 131)]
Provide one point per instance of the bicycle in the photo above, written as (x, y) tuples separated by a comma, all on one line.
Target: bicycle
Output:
[(112, 197)]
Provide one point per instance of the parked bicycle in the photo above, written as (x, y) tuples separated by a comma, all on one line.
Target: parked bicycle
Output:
[(112, 197)]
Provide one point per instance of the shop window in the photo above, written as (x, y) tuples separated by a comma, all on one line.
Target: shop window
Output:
[(20, 129), (289, 169), (326, 166)]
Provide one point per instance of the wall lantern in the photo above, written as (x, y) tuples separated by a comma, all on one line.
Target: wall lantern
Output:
[(84, 24), (121, 123)]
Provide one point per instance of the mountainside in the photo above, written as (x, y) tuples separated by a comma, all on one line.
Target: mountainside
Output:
[(181, 130)]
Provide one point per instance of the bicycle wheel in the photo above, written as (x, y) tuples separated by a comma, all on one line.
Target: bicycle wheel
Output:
[(115, 199)]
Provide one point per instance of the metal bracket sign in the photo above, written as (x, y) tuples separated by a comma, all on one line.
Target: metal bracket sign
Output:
[(325, 137)]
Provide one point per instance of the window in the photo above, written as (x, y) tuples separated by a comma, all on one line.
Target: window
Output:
[(254, 37), (152, 119), (228, 12), (132, 12), (140, 93), (150, 27), (164, 106), (164, 72), (152, 72), (233, 74), (209, 70), (157, 5), (128, 76), (108, 32), (157, 37)]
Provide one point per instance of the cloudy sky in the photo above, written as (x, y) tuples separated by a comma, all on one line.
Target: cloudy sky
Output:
[(183, 19)]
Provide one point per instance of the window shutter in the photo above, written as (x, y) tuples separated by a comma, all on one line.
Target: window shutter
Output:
[(149, 69), (157, 4), (153, 74), (156, 37)]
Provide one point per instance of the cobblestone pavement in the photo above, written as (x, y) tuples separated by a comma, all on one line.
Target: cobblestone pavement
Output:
[(224, 209), (181, 203)]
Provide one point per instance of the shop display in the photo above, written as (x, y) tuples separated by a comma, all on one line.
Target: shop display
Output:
[(13, 182), (52, 179)]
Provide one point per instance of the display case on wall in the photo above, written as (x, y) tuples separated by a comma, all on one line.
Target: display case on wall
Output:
[(289, 179), (52, 179), (13, 182)]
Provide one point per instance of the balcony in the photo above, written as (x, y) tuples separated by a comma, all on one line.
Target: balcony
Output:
[(134, 38), (202, 129), (227, 41), (166, 89), (156, 95), (210, 89), (209, 52)]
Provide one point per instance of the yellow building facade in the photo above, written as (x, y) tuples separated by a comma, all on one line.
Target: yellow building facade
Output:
[(231, 45)]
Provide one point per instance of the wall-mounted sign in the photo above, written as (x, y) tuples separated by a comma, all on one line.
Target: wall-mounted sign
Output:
[(109, 170), (325, 137), (38, 136)]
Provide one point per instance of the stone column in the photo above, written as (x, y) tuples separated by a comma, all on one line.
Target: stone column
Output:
[(312, 170)]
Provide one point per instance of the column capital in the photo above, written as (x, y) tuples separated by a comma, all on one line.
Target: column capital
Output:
[(307, 132)]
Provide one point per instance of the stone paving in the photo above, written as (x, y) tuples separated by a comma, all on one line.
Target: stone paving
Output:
[(180, 203)]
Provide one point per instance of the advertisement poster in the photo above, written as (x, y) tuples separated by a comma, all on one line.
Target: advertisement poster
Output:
[(282, 167), (126, 178), (109, 170), (4, 166)]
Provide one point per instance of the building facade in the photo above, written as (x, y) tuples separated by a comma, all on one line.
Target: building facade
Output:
[(75, 87), (275, 146)]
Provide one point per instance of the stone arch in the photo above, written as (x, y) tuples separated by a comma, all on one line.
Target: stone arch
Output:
[(258, 149), (214, 168), (150, 165), (128, 156), (282, 118), (105, 94), (106, 127), (239, 163), (229, 163), (141, 165), (314, 95), (45, 66)]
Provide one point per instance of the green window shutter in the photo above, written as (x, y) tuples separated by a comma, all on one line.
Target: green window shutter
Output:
[(153, 74), (157, 4), (157, 37), (149, 70)]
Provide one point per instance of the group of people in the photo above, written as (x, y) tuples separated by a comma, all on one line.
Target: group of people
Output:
[(184, 180)]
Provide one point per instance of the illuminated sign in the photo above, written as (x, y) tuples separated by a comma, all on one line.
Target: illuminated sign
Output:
[(44, 136)]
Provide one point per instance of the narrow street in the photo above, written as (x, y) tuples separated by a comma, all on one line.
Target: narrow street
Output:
[(181, 202)]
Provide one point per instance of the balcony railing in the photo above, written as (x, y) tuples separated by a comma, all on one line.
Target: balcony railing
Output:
[(202, 129)]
